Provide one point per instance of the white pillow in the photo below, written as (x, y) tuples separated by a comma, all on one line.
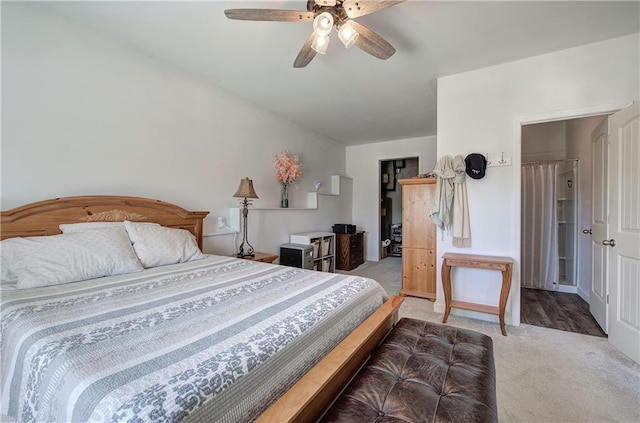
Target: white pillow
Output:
[(69, 228), (57, 259), (6, 256), (159, 245)]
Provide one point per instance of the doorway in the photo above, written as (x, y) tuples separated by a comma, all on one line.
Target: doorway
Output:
[(555, 253), (557, 310), (391, 203)]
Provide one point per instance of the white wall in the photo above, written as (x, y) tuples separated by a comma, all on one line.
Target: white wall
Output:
[(84, 115), (481, 111), (363, 165), (544, 141)]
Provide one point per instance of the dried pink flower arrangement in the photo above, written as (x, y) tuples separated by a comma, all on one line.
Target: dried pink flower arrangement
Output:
[(288, 168)]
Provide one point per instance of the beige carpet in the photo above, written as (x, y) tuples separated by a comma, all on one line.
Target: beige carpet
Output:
[(543, 375)]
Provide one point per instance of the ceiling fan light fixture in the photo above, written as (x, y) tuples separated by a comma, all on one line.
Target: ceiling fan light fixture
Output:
[(347, 34), (323, 23), (320, 44)]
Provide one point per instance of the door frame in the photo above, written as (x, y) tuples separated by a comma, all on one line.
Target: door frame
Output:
[(517, 164), (379, 171)]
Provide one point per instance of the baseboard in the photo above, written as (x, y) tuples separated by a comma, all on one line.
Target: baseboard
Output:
[(585, 295), (569, 289)]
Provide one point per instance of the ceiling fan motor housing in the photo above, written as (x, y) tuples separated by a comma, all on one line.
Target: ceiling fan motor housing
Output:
[(333, 7)]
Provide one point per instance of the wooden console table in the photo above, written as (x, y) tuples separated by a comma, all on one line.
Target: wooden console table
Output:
[(503, 264)]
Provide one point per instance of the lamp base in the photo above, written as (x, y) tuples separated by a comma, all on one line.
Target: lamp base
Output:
[(245, 249)]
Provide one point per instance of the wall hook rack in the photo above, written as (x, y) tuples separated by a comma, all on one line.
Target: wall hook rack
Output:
[(503, 161)]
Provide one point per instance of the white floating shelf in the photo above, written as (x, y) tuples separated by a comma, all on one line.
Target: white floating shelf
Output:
[(312, 197), (334, 189)]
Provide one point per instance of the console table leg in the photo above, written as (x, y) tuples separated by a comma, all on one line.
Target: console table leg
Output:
[(446, 314), (446, 285), (504, 295)]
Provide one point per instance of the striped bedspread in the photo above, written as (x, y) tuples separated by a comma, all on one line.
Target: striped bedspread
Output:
[(217, 339)]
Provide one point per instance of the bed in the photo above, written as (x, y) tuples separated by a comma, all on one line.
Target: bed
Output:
[(212, 338)]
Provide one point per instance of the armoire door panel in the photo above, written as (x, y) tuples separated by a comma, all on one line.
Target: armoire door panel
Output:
[(418, 231), (418, 272)]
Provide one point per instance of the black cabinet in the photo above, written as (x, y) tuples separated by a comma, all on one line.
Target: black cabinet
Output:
[(349, 250)]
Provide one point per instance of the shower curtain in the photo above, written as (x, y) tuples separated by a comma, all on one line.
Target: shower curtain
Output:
[(539, 245)]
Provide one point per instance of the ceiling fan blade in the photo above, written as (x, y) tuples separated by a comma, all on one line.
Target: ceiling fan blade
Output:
[(371, 42), (306, 53), (357, 8), (269, 15)]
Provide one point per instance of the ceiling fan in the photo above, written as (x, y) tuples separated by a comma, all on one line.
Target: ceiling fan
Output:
[(325, 14)]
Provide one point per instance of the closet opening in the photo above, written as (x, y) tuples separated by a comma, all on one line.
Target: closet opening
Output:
[(549, 217), (391, 203)]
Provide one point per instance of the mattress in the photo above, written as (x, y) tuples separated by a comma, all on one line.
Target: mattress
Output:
[(217, 339)]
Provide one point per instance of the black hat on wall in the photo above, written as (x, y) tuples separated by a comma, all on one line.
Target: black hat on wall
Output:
[(476, 165)]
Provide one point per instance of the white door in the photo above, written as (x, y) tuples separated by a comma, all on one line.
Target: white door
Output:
[(599, 212), (623, 242)]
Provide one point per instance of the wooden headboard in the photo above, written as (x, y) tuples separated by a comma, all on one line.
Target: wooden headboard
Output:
[(44, 217)]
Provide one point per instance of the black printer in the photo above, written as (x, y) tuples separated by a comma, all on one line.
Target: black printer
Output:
[(344, 228)]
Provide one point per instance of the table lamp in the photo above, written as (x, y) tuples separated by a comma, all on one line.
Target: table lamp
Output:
[(246, 192)]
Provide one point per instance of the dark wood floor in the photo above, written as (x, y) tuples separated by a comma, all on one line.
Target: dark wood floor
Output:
[(557, 310)]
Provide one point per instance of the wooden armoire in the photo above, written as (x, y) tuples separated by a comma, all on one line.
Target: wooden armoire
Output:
[(418, 238)]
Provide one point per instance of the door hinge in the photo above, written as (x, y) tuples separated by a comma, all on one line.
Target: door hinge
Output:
[(607, 298)]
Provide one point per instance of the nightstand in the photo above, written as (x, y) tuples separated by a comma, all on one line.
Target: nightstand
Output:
[(262, 257)]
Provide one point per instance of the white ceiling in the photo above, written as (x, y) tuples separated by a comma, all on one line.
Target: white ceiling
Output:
[(348, 95)]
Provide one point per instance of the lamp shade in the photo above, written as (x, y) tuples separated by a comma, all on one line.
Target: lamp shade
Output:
[(323, 23), (245, 190), (347, 34), (320, 44)]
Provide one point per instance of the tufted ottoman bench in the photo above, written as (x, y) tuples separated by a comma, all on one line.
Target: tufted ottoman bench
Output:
[(423, 372)]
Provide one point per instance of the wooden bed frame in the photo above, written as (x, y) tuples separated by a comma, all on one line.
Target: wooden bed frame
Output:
[(44, 217), (312, 395)]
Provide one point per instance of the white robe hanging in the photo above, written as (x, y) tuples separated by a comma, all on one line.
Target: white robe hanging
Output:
[(443, 200), (461, 228)]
